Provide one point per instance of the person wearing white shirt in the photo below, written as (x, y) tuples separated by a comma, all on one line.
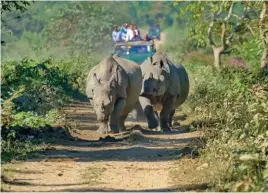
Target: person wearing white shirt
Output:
[(137, 32), (130, 33)]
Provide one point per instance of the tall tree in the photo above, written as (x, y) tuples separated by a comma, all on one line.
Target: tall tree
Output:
[(12, 5), (223, 23), (264, 34)]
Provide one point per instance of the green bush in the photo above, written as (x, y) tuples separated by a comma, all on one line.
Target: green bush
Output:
[(31, 94), (234, 106), (12, 149), (41, 88)]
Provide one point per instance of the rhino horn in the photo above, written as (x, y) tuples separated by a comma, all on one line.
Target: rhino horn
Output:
[(96, 80)]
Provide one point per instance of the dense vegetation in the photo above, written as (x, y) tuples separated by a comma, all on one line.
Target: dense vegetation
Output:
[(48, 48), (230, 105)]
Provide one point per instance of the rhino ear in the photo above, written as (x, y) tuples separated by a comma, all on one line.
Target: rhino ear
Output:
[(164, 65), (151, 59), (96, 80)]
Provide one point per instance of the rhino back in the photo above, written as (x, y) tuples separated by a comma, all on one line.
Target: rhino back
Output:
[(104, 71), (130, 67), (184, 84)]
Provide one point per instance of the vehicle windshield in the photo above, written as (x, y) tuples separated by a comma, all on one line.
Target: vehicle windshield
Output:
[(154, 30), (121, 50), (140, 49), (133, 49)]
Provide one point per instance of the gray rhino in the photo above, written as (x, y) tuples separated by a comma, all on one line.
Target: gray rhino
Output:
[(113, 88), (165, 87)]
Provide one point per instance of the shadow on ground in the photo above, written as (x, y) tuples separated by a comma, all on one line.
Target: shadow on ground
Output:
[(133, 153), (184, 188)]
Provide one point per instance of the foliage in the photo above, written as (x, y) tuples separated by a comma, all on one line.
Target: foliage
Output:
[(231, 107), (30, 96), (41, 88), (232, 25), (249, 50), (233, 103), (82, 25), (17, 5), (15, 149)]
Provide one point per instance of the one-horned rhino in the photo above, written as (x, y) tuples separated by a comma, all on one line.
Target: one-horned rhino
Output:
[(113, 88), (165, 87)]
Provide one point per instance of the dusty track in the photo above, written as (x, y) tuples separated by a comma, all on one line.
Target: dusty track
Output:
[(142, 160)]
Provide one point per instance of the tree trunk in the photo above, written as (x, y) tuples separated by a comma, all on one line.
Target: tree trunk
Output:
[(217, 57), (264, 34)]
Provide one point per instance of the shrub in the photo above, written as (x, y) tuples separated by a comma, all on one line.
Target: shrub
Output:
[(30, 96), (199, 57), (235, 103)]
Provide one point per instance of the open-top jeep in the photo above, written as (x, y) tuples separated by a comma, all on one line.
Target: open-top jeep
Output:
[(136, 51)]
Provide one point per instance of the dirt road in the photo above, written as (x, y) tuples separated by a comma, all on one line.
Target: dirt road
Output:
[(137, 160)]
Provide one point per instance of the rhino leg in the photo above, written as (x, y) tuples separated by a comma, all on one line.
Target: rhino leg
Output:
[(165, 113), (103, 128), (114, 118), (137, 113), (149, 112), (171, 117), (122, 123)]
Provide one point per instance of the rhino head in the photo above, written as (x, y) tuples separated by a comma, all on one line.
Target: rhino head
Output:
[(152, 84), (104, 96), (155, 76)]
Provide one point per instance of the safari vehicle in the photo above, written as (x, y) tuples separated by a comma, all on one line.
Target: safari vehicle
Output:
[(154, 32), (136, 51)]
